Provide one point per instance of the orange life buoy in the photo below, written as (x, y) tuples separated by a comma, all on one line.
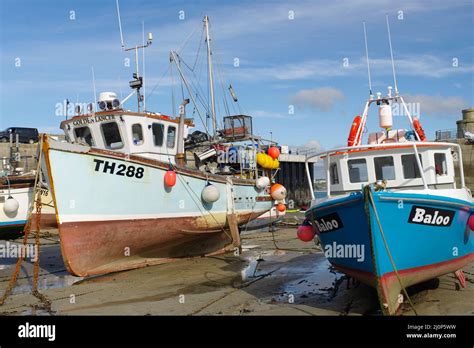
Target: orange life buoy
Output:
[(418, 129), (353, 132)]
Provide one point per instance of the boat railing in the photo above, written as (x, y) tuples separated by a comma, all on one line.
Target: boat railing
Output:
[(414, 145)]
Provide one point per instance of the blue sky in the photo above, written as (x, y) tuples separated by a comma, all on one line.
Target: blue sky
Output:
[(283, 62)]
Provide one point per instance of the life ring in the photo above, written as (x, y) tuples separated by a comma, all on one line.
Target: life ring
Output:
[(353, 132), (418, 129)]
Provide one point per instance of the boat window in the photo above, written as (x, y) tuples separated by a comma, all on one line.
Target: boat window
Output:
[(84, 135), (111, 134), (358, 170), (158, 130), (441, 166), (410, 167), (137, 134), (384, 168), (334, 174), (171, 136)]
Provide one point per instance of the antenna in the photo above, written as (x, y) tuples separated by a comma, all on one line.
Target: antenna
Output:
[(120, 24), (143, 66), (95, 92), (137, 81), (367, 57), (211, 78), (391, 56)]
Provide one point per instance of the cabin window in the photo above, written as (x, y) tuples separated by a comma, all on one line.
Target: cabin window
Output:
[(441, 166), (171, 136), (158, 133), (358, 170), (84, 135), (111, 134), (334, 175), (137, 134), (410, 167), (384, 168)]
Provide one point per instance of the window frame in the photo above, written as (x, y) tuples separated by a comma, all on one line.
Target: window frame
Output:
[(162, 135), (141, 130), (334, 177), (103, 136), (366, 170), (417, 171), (445, 160), (92, 136), (393, 166), (175, 136)]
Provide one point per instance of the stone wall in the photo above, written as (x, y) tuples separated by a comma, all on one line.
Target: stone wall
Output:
[(28, 153), (466, 124)]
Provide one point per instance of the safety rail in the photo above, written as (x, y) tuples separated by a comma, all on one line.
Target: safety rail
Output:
[(414, 145)]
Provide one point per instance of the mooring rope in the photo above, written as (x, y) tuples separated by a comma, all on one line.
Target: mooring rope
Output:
[(368, 193)]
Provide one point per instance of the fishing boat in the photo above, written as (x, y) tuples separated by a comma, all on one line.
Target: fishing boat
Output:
[(16, 196), (396, 211), (137, 188)]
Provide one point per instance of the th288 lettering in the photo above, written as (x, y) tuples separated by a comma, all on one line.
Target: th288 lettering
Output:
[(118, 169)]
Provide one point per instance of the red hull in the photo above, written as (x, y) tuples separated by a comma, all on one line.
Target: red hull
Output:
[(388, 286), (101, 247)]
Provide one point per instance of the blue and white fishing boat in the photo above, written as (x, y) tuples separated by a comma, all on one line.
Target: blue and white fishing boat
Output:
[(397, 211), (135, 188)]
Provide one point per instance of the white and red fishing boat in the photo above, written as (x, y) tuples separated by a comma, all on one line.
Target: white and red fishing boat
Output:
[(135, 188)]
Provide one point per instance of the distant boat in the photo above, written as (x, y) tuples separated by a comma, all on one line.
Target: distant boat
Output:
[(133, 189), (16, 195), (395, 213)]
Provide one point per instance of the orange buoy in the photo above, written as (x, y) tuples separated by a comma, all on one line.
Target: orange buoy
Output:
[(170, 178), (281, 207), (273, 152), (418, 129), (353, 132), (278, 192)]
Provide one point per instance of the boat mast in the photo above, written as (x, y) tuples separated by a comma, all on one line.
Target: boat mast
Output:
[(211, 79), (137, 82)]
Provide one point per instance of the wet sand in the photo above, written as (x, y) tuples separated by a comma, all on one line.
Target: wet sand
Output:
[(273, 276)]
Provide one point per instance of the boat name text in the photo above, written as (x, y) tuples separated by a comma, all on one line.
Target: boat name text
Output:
[(118, 169), (429, 216), (328, 223), (94, 119)]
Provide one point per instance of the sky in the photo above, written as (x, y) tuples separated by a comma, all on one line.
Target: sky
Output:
[(298, 67)]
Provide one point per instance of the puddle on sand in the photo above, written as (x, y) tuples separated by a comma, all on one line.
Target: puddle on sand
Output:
[(315, 279), (323, 284), (48, 281)]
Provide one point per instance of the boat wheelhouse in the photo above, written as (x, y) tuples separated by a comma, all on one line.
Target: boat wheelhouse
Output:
[(150, 135)]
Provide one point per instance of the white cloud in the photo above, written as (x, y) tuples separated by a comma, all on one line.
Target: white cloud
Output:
[(313, 145), (423, 65), (438, 105), (322, 99)]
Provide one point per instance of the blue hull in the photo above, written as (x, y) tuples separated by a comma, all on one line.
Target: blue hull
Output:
[(423, 236)]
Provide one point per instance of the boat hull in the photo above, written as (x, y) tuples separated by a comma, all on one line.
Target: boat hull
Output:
[(109, 222), (408, 249), (11, 224)]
